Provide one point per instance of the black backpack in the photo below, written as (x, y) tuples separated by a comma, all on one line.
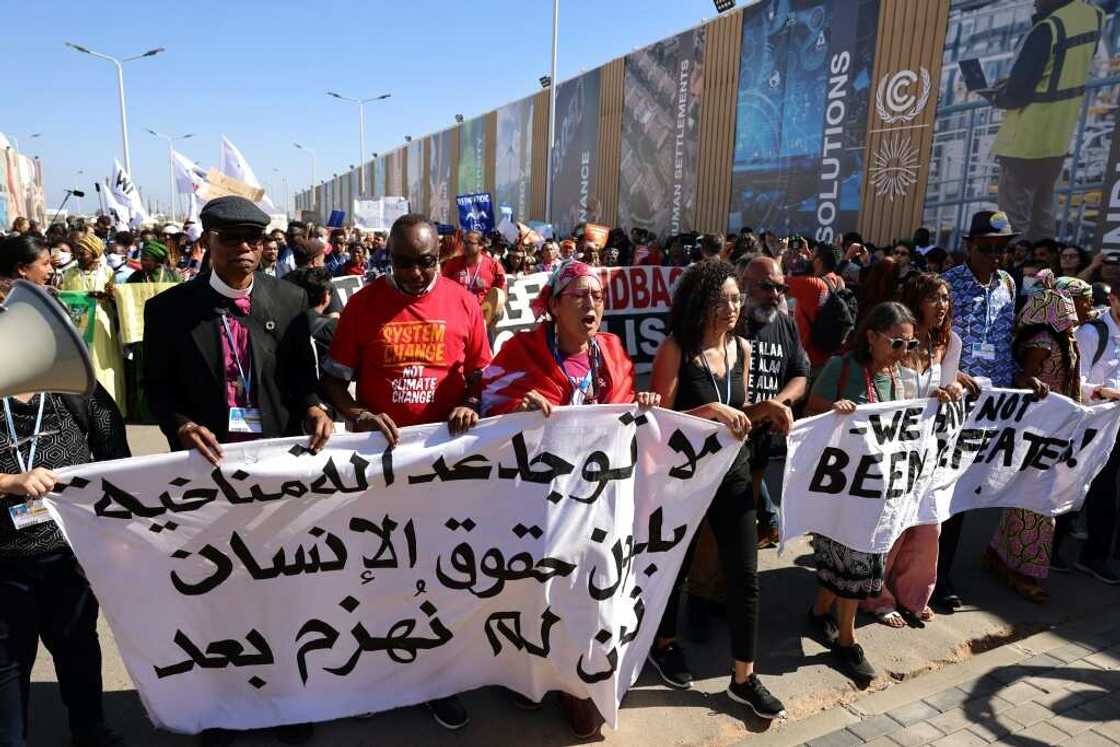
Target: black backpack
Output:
[(836, 318)]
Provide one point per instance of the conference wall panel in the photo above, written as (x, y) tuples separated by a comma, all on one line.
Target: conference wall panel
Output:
[(576, 152), (715, 151), (513, 157)]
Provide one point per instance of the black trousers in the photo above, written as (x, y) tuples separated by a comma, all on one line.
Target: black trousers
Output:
[(47, 597), (1100, 513), (734, 523)]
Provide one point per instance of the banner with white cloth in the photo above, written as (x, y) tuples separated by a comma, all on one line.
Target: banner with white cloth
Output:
[(863, 479), (286, 586), (124, 191), (233, 164), (379, 214), (635, 307)]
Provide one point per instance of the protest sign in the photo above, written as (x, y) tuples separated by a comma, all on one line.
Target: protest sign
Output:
[(635, 307), (131, 298), (596, 234), (346, 286), (862, 479), (81, 307), (286, 586), (336, 219), (220, 185), (476, 212), (379, 214)]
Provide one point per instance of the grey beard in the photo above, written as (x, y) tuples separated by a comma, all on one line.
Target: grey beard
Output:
[(763, 315)]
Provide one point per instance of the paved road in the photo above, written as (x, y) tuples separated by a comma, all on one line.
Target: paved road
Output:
[(798, 670)]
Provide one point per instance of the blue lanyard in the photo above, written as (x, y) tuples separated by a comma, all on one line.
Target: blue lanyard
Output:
[(726, 372), (245, 380), (582, 386), (34, 438)]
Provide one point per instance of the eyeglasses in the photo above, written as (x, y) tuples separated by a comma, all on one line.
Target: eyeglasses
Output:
[(897, 343), (780, 288), (237, 237), (584, 294), (424, 262)]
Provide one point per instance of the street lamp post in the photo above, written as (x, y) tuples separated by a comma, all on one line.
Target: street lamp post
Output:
[(552, 112), (172, 191), (15, 141), (120, 90), (283, 179), (361, 131), (314, 164)]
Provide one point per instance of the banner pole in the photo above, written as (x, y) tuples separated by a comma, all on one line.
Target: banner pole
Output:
[(551, 113)]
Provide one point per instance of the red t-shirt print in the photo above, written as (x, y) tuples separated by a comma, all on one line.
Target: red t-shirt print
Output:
[(411, 354), (488, 274)]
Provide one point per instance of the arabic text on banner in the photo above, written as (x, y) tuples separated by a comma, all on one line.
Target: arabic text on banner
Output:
[(863, 479), (287, 586)]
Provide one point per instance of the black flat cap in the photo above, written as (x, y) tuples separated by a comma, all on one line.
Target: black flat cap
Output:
[(232, 211)]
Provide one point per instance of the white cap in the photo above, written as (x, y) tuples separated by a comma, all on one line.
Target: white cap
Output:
[(171, 230)]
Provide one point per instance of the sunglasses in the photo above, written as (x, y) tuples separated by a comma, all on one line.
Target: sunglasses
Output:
[(423, 262), (237, 237), (781, 288), (897, 343)]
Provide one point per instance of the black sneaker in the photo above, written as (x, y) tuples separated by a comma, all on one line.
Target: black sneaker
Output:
[(449, 712), (1058, 564), (215, 738), (1098, 569), (854, 663), (670, 664), (753, 694), (101, 736), (823, 628)]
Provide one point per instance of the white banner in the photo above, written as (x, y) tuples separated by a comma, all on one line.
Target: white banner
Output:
[(233, 164), (379, 214), (124, 190), (636, 308), (287, 586), (863, 479)]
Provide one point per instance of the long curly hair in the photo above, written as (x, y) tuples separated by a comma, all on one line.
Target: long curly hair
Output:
[(917, 289), (880, 285), (695, 299)]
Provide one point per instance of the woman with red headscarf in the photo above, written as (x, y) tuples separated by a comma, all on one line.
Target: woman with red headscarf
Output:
[(564, 360)]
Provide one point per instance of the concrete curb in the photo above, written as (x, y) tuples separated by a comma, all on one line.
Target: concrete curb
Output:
[(926, 685)]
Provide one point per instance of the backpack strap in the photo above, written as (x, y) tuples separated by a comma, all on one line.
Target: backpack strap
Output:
[(1102, 338)]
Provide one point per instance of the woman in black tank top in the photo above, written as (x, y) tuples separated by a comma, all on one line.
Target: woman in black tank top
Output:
[(699, 370)]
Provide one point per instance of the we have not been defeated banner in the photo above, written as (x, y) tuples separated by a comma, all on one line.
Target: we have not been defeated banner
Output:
[(636, 308), (286, 586), (863, 479)]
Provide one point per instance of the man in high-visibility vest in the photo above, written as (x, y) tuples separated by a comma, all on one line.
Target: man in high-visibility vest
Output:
[(1043, 97)]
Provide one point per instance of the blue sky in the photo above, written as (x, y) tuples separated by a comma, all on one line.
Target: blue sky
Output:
[(257, 72)]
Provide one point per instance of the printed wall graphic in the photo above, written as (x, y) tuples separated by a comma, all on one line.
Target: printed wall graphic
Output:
[(1011, 149), (514, 157), (439, 177), (472, 156), (804, 91), (416, 176), (660, 128), (577, 146)]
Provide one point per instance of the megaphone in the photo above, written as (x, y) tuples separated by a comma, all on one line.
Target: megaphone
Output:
[(52, 357)]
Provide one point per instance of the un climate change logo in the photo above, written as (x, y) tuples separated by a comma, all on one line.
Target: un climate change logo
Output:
[(896, 100)]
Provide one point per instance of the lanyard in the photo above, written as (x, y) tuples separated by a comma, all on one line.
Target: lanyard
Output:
[(245, 380), (726, 373), (471, 280), (872, 392), (580, 387), (34, 434)]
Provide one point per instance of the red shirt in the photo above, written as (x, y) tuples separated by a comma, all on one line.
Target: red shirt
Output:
[(411, 355), (487, 274), (808, 293)]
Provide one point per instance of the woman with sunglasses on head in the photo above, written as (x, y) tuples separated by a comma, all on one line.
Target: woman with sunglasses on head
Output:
[(700, 370), (930, 370), (564, 360), (869, 372)]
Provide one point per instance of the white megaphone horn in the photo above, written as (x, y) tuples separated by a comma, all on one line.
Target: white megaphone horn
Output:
[(52, 357)]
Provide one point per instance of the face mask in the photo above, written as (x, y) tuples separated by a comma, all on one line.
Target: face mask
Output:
[(1028, 284), (64, 258)]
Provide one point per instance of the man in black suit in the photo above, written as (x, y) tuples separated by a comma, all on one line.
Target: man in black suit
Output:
[(228, 355)]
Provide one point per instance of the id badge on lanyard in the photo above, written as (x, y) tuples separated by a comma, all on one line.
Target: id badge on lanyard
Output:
[(33, 511), (242, 419)]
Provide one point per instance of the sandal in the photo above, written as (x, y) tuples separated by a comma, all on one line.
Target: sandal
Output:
[(912, 619), (890, 617), (926, 614)]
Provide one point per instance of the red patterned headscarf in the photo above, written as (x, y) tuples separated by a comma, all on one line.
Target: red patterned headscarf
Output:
[(562, 277)]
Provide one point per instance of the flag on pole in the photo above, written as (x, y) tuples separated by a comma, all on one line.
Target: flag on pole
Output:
[(120, 214), (127, 195), (233, 164), (189, 176)]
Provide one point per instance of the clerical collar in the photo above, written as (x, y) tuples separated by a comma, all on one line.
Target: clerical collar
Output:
[(224, 290)]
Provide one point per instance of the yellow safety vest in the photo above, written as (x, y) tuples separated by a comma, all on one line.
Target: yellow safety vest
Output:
[(1044, 127)]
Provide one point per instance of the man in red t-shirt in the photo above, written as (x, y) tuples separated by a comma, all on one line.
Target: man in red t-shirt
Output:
[(473, 269), (808, 292), (416, 345)]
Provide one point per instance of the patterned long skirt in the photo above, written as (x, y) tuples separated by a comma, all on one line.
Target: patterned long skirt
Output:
[(847, 573), (1024, 541)]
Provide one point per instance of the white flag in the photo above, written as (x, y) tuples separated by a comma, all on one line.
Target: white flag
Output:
[(127, 195), (188, 174), (233, 164), (115, 210)]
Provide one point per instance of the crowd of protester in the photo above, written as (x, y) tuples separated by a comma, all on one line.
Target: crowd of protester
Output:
[(763, 329)]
